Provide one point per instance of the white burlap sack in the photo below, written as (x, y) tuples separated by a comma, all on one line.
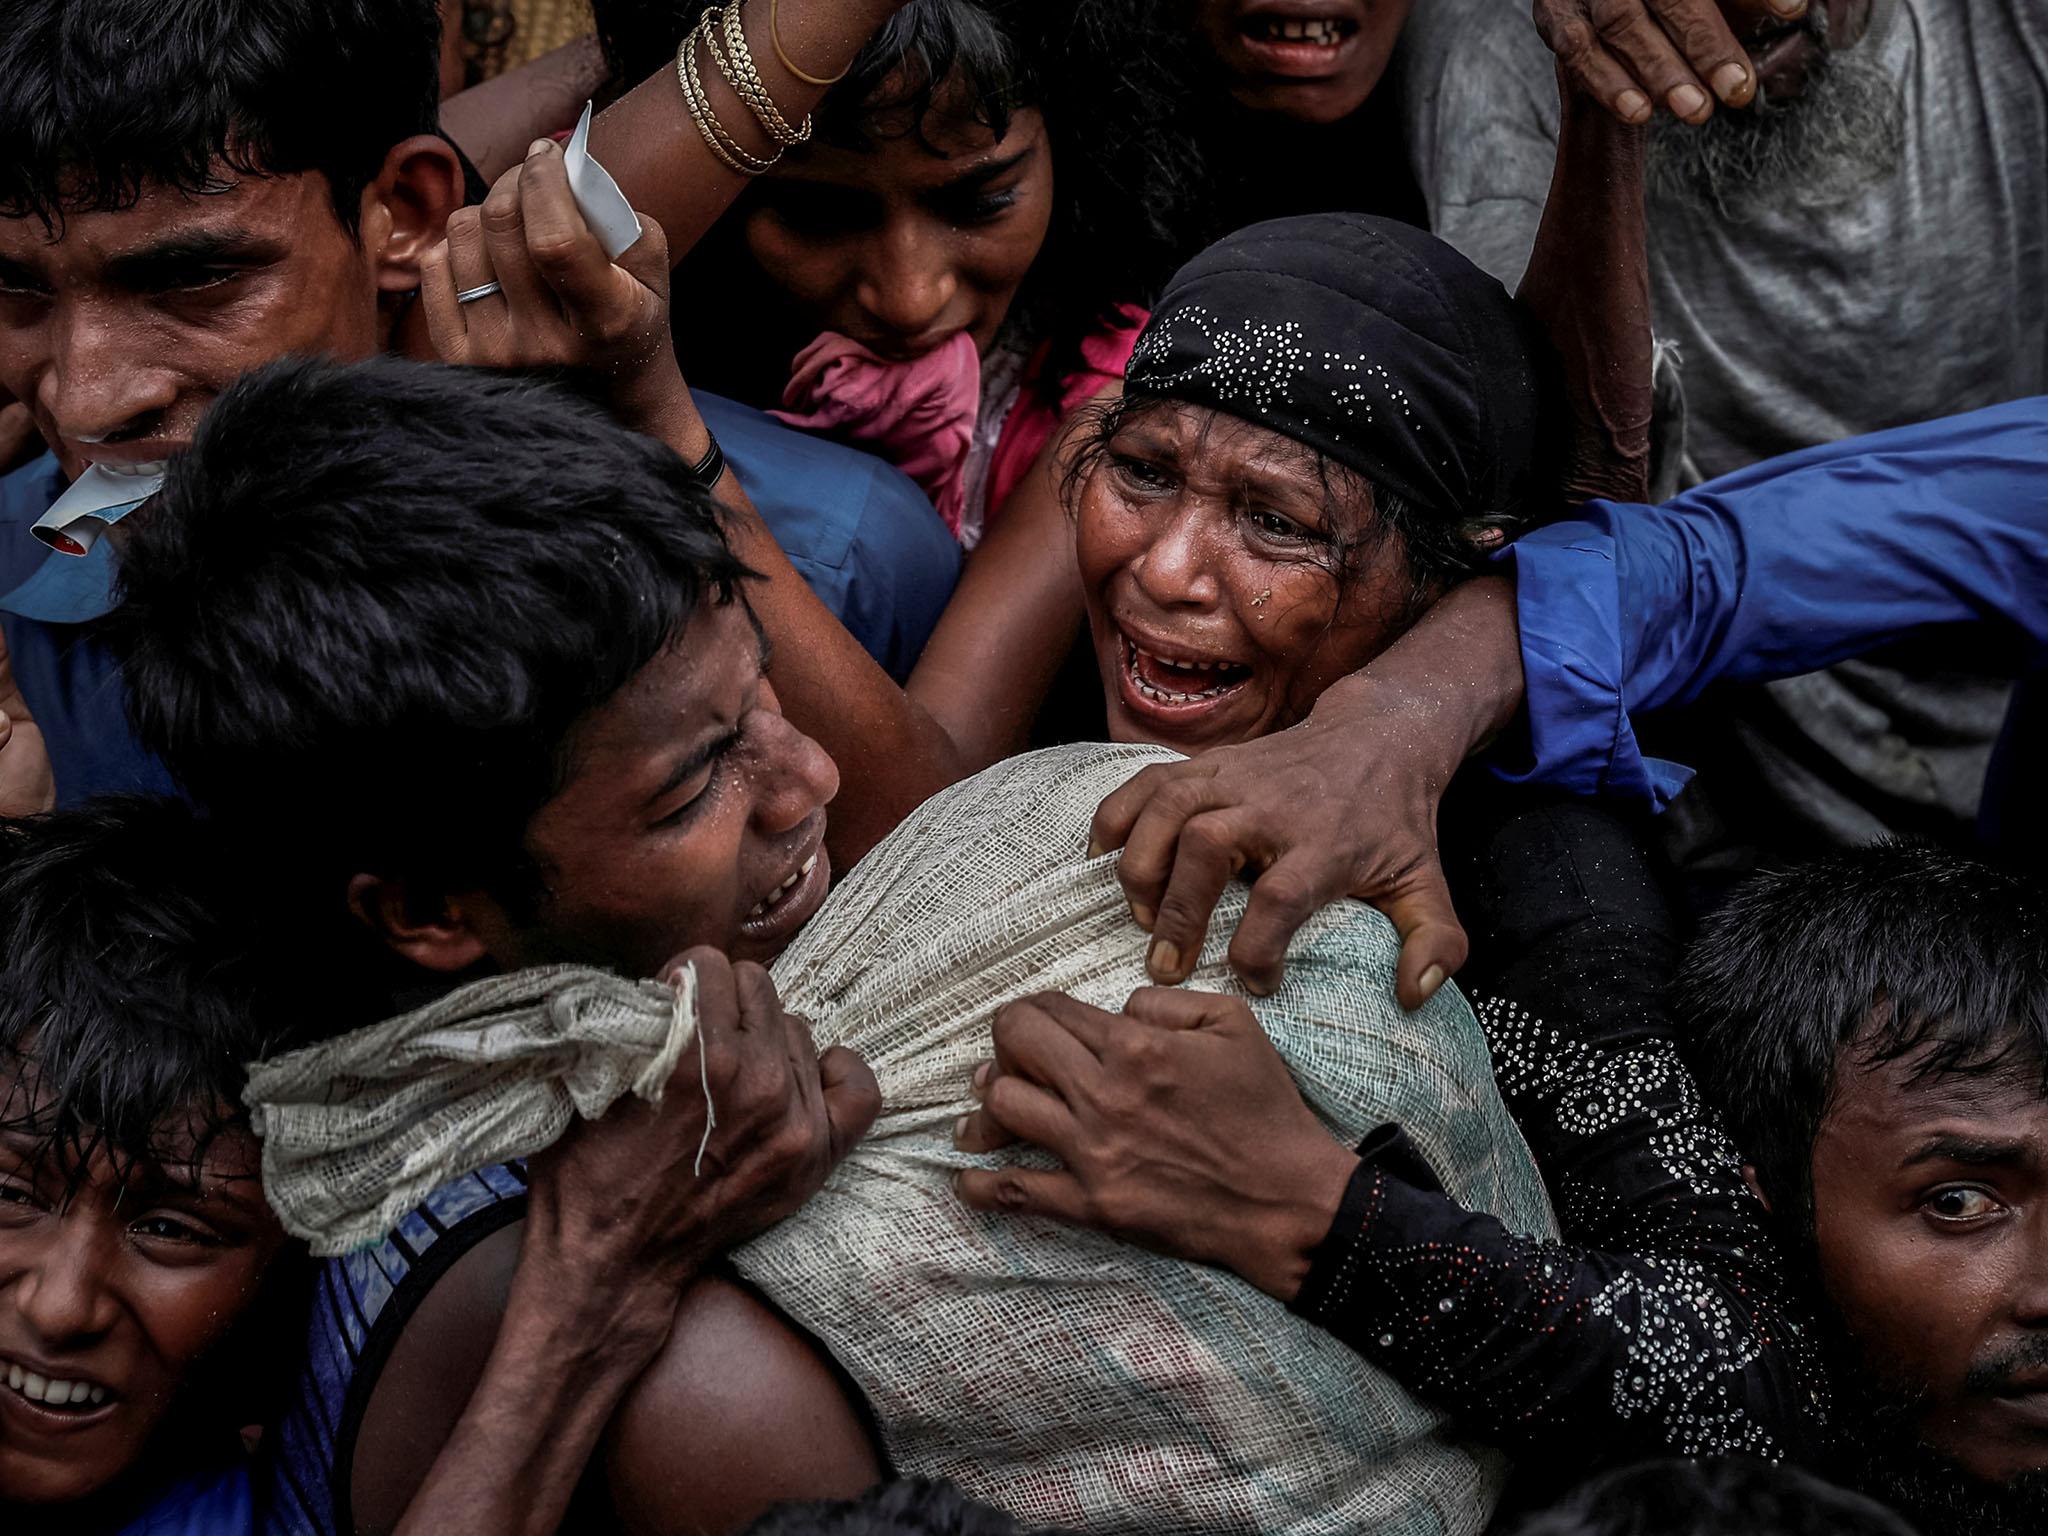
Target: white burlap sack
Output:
[(1066, 1377), (359, 1129)]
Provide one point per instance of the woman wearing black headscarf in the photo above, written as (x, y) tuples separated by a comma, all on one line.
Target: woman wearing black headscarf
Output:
[(1329, 422)]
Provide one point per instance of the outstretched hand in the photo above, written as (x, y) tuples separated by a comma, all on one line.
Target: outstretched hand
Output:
[(1684, 55), (1178, 1125), (563, 303), (1343, 804)]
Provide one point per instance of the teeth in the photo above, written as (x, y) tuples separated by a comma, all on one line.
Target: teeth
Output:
[(1168, 695), (52, 1392), (1322, 32), (783, 889)]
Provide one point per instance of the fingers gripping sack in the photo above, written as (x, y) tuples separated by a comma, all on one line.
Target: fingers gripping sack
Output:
[(359, 1129), (1066, 1377)]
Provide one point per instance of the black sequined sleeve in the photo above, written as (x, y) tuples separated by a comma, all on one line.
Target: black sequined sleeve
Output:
[(1663, 1321)]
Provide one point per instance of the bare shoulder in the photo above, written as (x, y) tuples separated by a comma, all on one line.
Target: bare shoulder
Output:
[(427, 1379), (740, 1410)]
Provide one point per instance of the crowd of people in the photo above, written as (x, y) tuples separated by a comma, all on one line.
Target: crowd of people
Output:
[(756, 814)]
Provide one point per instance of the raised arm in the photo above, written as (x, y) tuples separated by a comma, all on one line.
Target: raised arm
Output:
[(653, 148), (566, 305), (1781, 568)]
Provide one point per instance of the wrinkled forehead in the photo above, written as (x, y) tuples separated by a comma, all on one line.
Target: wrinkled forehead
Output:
[(1206, 439), (1999, 1075), (232, 211)]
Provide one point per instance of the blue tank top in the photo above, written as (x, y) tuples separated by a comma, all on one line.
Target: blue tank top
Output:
[(361, 1304)]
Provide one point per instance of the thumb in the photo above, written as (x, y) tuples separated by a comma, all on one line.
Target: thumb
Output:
[(852, 1098), (1433, 943), (647, 257)]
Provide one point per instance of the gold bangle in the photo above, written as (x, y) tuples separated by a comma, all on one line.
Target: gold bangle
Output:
[(775, 37), (736, 63), (728, 150)]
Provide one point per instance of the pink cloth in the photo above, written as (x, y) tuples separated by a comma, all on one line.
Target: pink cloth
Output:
[(1105, 353), (919, 415)]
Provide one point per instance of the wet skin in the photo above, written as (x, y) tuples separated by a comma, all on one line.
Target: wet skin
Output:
[(690, 801), (1205, 539), (125, 328), (124, 1284), (1314, 81), (907, 243), (1931, 1217)]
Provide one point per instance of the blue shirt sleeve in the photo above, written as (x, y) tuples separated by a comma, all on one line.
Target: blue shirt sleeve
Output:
[(1782, 568)]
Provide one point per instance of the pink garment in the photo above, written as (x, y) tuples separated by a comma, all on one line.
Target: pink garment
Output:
[(1105, 353), (919, 415)]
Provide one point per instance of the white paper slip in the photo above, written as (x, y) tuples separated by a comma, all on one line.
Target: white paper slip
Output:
[(605, 209), (95, 501)]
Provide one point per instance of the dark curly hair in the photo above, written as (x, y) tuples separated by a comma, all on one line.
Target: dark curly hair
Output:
[(1127, 193)]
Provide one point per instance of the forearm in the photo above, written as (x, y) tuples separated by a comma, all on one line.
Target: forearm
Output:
[(567, 1351), (1779, 569), (1553, 1348), (892, 755), (1455, 676), (1588, 285), (653, 149), (495, 121)]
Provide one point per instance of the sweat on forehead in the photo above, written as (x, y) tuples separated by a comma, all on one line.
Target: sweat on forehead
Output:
[(1367, 340)]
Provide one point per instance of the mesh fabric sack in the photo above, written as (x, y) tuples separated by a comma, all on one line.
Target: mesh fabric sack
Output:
[(1069, 1378)]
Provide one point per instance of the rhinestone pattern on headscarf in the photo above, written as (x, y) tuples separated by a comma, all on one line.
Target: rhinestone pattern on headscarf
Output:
[(1367, 340)]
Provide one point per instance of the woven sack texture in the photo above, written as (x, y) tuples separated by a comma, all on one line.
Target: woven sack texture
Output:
[(1066, 1377), (358, 1130)]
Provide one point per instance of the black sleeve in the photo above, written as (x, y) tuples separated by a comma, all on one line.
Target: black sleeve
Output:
[(1663, 1322)]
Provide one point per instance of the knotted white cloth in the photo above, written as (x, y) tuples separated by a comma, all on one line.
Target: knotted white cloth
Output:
[(357, 1130)]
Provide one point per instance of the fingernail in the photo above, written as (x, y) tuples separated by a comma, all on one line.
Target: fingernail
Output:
[(1688, 101), (1164, 959), (1729, 80), (981, 1076), (539, 147), (1431, 980), (1789, 7), (1635, 106), (960, 1129), (1094, 849), (1143, 915)]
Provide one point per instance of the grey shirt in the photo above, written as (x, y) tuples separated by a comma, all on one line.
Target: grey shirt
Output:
[(1923, 295)]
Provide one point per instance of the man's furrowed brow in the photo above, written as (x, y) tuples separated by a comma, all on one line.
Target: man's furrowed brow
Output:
[(1972, 1151), (226, 246), (690, 765)]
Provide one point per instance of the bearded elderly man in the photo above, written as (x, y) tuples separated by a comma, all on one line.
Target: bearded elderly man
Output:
[(1848, 221)]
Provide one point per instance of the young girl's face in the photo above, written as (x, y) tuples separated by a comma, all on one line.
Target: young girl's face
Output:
[(113, 1286), (910, 241)]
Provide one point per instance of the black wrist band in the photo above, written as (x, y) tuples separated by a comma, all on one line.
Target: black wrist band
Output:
[(710, 469)]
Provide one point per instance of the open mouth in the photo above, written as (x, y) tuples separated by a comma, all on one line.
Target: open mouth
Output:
[(70, 1398), (1301, 31), (769, 906), (1181, 682)]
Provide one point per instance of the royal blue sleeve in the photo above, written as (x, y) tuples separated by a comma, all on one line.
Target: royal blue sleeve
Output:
[(1782, 568)]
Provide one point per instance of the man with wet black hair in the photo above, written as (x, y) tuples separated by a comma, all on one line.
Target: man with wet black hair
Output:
[(1874, 1028), (192, 188)]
